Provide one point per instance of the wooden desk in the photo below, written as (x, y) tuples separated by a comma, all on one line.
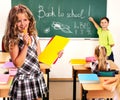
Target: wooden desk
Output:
[(91, 91), (4, 88), (46, 69), (75, 70), (4, 56), (81, 69)]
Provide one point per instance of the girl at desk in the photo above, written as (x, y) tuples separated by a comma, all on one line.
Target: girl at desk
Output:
[(24, 47), (101, 63)]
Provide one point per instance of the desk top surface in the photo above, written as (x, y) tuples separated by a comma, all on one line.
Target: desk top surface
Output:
[(96, 86), (6, 86), (81, 67), (44, 66), (4, 56)]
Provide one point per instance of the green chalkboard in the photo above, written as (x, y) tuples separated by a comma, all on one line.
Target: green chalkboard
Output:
[(67, 18)]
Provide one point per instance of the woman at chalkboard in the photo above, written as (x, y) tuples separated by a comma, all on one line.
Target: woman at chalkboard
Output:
[(105, 36)]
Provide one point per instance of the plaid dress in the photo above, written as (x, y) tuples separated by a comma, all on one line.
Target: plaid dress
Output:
[(28, 83)]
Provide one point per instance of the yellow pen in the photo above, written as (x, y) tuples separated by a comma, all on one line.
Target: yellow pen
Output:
[(25, 32)]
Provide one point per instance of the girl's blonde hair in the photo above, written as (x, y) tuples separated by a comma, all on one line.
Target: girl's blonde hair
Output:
[(101, 53), (11, 31)]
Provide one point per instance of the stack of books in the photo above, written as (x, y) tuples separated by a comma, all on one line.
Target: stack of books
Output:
[(4, 78)]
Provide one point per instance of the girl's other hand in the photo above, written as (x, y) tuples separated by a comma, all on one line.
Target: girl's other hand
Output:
[(60, 54)]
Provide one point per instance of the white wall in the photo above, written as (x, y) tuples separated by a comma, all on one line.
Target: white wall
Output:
[(5, 6), (77, 48), (114, 16)]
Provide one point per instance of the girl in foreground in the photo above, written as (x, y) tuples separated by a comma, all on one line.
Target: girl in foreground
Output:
[(24, 47)]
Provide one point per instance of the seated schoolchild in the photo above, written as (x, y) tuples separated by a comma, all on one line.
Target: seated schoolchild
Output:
[(101, 63)]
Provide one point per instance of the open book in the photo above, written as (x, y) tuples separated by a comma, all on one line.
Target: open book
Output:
[(88, 78), (4, 78), (54, 46)]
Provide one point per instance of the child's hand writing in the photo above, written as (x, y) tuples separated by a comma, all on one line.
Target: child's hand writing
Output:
[(91, 19)]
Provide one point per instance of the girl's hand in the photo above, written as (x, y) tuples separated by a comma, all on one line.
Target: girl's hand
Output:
[(110, 81), (60, 54), (109, 84), (26, 39)]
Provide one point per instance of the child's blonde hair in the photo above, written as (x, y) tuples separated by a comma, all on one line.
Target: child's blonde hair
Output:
[(11, 29), (101, 53)]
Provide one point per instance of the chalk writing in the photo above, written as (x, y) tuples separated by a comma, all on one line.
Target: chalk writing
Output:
[(83, 27), (42, 13), (72, 14), (62, 27), (80, 27), (47, 30)]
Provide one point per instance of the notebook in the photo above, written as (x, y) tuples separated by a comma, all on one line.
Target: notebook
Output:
[(78, 61), (88, 78), (90, 59), (54, 46), (12, 71), (4, 78), (8, 65)]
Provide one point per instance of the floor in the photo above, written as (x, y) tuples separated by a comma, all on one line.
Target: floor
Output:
[(62, 91)]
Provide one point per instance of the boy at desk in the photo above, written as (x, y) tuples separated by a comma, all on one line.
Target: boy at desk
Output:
[(101, 63)]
